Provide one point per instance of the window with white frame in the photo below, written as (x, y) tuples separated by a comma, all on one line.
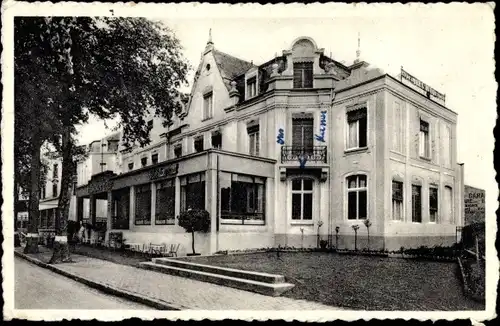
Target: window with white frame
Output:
[(178, 150), (208, 105), (253, 140), (242, 198), (397, 200), (144, 161), (357, 197), (424, 140), (357, 132), (416, 203), (217, 140), (251, 87), (302, 199), (198, 144), (433, 204)]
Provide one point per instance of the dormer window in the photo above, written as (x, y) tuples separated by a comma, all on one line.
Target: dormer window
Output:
[(303, 75), (251, 87), (178, 151), (207, 106), (217, 140), (198, 144)]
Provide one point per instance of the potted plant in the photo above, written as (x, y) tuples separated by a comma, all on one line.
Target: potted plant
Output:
[(194, 220)]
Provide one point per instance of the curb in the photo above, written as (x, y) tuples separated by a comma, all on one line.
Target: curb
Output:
[(154, 303)]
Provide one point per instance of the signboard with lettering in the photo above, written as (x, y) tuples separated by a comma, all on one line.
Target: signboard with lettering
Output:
[(164, 171), (96, 187), (474, 208), (423, 88)]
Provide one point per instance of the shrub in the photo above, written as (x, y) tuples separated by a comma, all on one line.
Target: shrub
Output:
[(195, 220)]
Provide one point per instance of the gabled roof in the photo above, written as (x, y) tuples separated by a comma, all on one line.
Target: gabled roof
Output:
[(230, 67)]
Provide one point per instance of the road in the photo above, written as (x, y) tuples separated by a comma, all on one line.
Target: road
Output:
[(39, 288)]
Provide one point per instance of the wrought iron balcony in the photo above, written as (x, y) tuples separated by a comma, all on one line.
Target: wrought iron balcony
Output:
[(315, 154)]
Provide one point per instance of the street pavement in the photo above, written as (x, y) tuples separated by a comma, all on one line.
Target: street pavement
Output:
[(39, 288), (183, 292)]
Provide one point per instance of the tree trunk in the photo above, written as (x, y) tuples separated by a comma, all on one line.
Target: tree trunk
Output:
[(61, 247), (368, 230), (192, 243), (34, 213)]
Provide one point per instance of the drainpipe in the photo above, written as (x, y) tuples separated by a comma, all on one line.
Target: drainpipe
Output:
[(218, 205)]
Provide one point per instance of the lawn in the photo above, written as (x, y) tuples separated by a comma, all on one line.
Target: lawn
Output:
[(359, 282)]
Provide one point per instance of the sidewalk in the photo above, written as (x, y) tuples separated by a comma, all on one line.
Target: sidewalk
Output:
[(165, 291)]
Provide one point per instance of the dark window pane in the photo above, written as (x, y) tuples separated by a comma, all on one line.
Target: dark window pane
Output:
[(307, 207), (362, 181), (362, 212), (362, 132), (351, 205), (296, 184), (308, 184), (416, 204), (352, 181), (296, 206), (154, 158)]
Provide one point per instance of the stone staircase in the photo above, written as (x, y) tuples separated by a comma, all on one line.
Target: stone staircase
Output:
[(263, 283)]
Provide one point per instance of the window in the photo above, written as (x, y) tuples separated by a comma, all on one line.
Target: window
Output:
[(55, 171), (397, 200), (253, 140), (242, 198), (131, 166), (207, 105), (302, 135), (165, 202), (433, 204), (154, 158), (144, 162), (302, 198), (448, 205), (121, 209), (357, 128), (251, 87), (193, 192), (54, 189), (217, 140), (398, 135), (74, 187), (198, 144), (42, 192), (150, 124), (303, 75), (356, 197), (178, 151), (143, 204), (416, 203), (424, 148), (447, 147)]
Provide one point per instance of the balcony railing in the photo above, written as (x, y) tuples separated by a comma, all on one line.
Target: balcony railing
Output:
[(315, 154)]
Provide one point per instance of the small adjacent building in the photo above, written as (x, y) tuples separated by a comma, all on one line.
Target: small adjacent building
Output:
[(288, 152)]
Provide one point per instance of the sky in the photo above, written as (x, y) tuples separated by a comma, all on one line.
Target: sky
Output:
[(448, 47)]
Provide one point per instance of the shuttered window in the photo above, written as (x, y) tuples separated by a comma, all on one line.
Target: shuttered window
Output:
[(302, 134), (416, 196), (303, 75)]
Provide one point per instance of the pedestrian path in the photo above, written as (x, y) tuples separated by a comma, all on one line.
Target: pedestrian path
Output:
[(187, 293)]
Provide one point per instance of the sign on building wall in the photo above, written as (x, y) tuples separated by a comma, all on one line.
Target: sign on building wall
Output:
[(165, 171), (422, 88), (474, 208)]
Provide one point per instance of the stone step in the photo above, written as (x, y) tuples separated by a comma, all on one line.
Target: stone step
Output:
[(271, 289), (238, 273)]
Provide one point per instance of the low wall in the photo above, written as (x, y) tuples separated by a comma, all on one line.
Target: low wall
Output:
[(244, 240), (396, 242)]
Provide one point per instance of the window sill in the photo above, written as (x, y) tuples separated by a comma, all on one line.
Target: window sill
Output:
[(240, 222), (206, 119), (301, 222), (428, 159), (355, 150)]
